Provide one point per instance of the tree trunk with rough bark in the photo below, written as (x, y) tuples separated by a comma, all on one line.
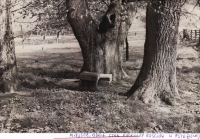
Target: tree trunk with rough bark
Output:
[(8, 68), (101, 44), (157, 77)]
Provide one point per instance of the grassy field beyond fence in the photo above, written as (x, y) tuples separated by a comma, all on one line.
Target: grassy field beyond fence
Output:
[(37, 40)]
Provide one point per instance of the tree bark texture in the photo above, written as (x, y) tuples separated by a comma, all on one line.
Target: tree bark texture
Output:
[(8, 68), (102, 44), (158, 73)]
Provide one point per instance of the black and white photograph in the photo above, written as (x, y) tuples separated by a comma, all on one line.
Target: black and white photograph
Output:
[(99, 66)]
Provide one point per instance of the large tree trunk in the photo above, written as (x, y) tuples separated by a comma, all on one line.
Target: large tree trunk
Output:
[(102, 44), (8, 69), (157, 77)]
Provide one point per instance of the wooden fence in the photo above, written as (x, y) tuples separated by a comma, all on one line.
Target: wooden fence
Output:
[(194, 35), (38, 33), (50, 32), (191, 35)]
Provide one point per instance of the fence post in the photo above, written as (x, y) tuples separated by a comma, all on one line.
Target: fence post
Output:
[(127, 49), (199, 36), (191, 34), (195, 35), (31, 34)]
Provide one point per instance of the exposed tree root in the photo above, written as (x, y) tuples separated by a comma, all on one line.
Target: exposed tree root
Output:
[(148, 93)]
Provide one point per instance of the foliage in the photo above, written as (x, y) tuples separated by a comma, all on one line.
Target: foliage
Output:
[(52, 14), (46, 15)]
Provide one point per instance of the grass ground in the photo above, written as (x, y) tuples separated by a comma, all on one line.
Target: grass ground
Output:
[(48, 102)]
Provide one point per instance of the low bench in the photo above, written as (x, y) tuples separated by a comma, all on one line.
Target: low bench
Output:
[(89, 80)]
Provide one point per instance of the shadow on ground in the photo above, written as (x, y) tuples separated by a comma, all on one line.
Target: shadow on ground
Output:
[(49, 69)]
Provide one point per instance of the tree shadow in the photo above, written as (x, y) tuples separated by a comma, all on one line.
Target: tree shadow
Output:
[(41, 79), (62, 74), (48, 69), (44, 84)]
